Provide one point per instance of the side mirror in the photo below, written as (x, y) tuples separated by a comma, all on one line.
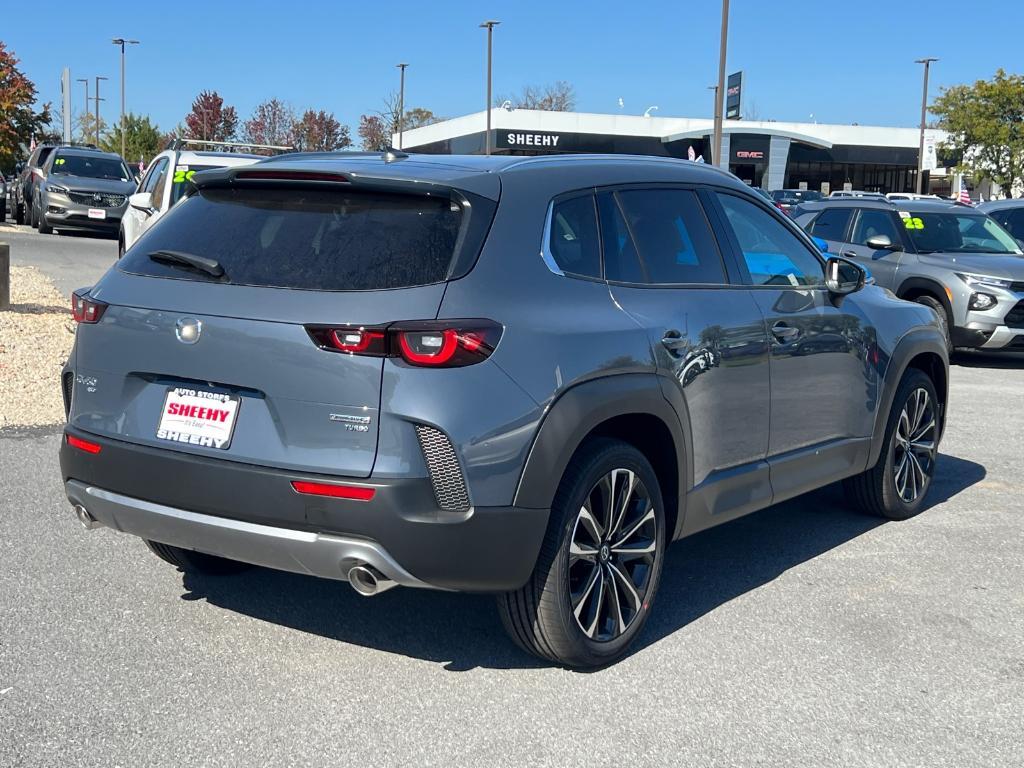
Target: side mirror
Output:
[(883, 243), (822, 244), (843, 276), (142, 201)]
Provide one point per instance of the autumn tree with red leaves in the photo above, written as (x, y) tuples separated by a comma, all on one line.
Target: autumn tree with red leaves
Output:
[(320, 131), (210, 119), (19, 122)]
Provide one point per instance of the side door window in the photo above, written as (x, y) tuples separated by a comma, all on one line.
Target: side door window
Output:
[(831, 224), (159, 184), (659, 237), (872, 223), (772, 253), (573, 243), (1012, 220), (149, 181)]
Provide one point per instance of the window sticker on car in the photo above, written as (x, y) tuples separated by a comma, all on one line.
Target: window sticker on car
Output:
[(180, 177), (904, 214), (181, 167), (913, 223)]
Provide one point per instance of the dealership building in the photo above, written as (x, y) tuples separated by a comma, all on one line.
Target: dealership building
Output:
[(764, 153)]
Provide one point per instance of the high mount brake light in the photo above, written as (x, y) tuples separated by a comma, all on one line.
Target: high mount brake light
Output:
[(289, 176), (427, 344), (86, 310)]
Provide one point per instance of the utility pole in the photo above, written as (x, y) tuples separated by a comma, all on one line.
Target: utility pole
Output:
[(924, 111), (489, 25), (86, 81), (123, 42), (720, 91), (96, 96), (401, 102)]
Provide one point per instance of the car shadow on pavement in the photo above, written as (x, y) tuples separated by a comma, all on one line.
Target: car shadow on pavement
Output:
[(463, 632), (1007, 360)]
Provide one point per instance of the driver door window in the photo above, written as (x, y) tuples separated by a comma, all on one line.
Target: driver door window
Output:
[(773, 254)]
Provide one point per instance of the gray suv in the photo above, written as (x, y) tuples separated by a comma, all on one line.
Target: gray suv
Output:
[(83, 190), (522, 376), (948, 256)]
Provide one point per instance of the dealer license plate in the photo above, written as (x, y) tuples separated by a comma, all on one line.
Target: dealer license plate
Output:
[(198, 417), (97, 213)]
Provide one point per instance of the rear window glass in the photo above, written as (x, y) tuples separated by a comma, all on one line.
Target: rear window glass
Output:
[(831, 224), (574, 243), (312, 239)]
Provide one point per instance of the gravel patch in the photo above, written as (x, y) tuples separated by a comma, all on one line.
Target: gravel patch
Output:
[(36, 334)]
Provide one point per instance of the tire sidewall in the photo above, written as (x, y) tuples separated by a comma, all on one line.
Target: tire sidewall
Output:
[(944, 319), (614, 456)]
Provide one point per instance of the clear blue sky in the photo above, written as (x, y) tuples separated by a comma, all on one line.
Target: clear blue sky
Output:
[(844, 61)]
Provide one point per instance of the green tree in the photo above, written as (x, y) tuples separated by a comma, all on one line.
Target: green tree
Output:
[(85, 127), (19, 122), (142, 139), (985, 122)]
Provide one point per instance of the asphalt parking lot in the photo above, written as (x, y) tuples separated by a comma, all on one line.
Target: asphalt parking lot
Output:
[(805, 634)]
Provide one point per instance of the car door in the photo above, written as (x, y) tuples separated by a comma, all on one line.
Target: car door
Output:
[(823, 391), (135, 221), (882, 263), (666, 269)]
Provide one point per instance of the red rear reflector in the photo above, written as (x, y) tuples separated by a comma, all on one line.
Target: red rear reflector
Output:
[(356, 492), (289, 176), (84, 445)]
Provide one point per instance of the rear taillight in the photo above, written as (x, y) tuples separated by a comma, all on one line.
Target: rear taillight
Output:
[(85, 309), (427, 344), (84, 445)]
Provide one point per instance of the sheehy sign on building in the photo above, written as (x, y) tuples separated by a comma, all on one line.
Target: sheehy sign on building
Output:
[(529, 139)]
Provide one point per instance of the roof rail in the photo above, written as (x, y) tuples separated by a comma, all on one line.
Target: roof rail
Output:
[(176, 144)]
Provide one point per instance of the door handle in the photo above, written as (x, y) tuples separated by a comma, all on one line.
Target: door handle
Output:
[(849, 254), (785, 333), (673, 340)]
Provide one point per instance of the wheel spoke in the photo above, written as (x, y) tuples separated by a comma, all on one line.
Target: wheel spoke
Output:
[(589, 523), (647, 517), (900, 476), (627, 586), (921, 431), (622, 500), (579, 603), (591, 629), (583, 551), (613, 593)]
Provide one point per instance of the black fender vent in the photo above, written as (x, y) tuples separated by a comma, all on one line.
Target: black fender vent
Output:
[(445, 472), (67, 384)]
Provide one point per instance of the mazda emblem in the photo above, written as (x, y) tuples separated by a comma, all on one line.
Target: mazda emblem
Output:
[(188, 330)]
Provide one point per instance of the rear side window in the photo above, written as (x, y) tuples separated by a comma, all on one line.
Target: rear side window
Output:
[(574, 243), (1012, 220), (871, 223), (669, 237), (831, 224), (314, 239)]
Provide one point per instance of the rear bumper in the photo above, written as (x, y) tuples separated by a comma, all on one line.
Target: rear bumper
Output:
[(252, 514)]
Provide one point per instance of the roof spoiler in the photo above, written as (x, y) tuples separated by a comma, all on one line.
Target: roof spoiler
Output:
[(176, 144)]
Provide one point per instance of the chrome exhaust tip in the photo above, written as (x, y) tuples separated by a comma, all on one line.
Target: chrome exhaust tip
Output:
[(88, 521), (368, 581)]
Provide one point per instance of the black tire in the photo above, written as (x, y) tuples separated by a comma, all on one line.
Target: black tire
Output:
[(120, 245), (3, 211), (945, 321), (32, 221), (877, 490), (539, 617), (19, 213), (196, 562), (43, 227)]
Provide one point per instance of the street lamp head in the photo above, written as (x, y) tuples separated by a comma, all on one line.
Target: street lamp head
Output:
[(926, 60), (490, 23), (403, 65)]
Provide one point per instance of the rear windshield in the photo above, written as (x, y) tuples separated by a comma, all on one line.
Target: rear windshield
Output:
[(89, 167), (312, 239), (795, 195), (957, 233)]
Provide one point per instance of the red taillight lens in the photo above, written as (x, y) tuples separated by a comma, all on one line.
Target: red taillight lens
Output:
[(84, 309), (84, 445), (289, 176), (428, 344), (354, 492)]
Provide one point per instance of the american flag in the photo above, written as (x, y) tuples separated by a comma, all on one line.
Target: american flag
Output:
[(965, 196)]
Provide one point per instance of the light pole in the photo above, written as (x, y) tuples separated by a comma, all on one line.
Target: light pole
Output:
[(924, 110), (720, 90), (123, 42), (86, 81), (489, 25), (401, 102), (96, 96)]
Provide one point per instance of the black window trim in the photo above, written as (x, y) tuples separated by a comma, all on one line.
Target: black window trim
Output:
[(737, 251), (545, 243)]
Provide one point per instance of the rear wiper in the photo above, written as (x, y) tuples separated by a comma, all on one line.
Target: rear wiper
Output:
[(202, 263)]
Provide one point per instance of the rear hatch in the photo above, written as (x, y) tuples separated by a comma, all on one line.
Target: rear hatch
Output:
[(187, 359)]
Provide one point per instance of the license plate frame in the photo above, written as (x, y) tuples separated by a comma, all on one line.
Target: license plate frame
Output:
[(200, 417), (97, 213)]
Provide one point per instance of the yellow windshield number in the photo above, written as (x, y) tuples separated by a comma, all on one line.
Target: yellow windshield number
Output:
[(180, 177), (913, 222)]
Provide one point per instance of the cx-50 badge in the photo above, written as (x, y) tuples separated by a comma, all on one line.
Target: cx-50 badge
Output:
[(188, 330)]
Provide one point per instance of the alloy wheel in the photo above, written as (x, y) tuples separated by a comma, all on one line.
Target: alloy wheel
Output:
[(611, 555), (914, 446)]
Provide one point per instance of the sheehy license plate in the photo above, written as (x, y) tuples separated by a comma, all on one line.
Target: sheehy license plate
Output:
[(198, 417), (97, 213)]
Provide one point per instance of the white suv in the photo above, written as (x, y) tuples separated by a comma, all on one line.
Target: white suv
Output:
[(168, 177)]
